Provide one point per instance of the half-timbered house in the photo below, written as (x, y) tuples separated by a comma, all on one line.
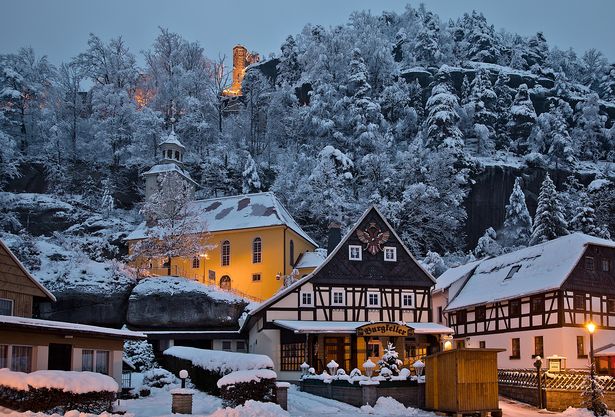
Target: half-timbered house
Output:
[(534, 301), (369, 291)]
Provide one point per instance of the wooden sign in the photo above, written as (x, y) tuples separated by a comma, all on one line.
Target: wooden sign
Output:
[(384, 329)]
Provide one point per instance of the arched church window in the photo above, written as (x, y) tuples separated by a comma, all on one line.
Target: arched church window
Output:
[(257, 250), (226, 253), (196, 262)]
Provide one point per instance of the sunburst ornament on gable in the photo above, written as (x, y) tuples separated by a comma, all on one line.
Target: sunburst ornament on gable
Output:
[(373, 238)]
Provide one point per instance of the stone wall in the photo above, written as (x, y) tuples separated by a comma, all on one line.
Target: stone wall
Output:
[(409, 394)]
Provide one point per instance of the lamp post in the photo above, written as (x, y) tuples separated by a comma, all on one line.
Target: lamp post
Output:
[(538, 365), (591, 329), (183, 374)]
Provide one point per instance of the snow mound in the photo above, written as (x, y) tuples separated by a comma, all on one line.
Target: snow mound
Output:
[(596, 185), (388, 406), (68, 381), (252, 409), (246, 376), (177, 285), (220, 361)]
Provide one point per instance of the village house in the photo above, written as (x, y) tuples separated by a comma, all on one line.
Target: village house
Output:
[(28, 344), (535, 302), (369, 291)]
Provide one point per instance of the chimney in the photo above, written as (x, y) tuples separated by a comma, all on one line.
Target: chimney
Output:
[(334, 236)]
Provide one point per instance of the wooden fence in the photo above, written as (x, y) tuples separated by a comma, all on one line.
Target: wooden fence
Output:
[(566, 380)]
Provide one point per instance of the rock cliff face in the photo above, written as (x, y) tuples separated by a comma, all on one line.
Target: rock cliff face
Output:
[(172, 302)]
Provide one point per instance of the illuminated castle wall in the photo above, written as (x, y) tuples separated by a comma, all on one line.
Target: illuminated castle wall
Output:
[(241, 59)]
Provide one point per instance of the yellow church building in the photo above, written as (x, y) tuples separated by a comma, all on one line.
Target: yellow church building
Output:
[(255, 244)]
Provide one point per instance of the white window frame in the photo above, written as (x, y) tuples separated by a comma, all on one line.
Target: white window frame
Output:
[(412, 297), (12, 305), (360, 252), (333, 302), (377, 294), (302, 302), (393, 249)]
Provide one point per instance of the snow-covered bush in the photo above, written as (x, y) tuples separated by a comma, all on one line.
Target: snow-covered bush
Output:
[(158, 378), (140, 353), (240, 386)]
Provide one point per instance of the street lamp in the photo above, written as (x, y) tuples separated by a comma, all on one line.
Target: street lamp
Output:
[(538, 365), (591, 328), (183, 374)]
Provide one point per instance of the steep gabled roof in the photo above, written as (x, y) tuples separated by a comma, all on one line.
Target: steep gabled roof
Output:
[(27, 274), (169, 167), (528, 271), (283, 292), (237, 212)]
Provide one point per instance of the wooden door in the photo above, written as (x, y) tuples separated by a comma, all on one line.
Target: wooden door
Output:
[(60, 357)]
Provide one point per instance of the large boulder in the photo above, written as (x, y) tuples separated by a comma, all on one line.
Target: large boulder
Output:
[(181, 303)]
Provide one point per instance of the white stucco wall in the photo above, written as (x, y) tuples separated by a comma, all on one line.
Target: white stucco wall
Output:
[(556, 341)]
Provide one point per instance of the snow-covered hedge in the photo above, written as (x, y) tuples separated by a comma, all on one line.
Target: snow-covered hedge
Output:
[(69, 381), (220, 361), (206, 366), (240, 386), (51, 390)]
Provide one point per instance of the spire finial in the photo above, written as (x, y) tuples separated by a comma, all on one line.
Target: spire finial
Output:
[(172, 119)]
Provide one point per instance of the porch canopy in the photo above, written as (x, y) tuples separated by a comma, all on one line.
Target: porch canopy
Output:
[(316, 326)]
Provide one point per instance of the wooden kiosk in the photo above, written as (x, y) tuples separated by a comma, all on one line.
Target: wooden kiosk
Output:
[(463, 381)]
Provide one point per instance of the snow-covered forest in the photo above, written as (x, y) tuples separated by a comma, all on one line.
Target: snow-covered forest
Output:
[(401, 110)]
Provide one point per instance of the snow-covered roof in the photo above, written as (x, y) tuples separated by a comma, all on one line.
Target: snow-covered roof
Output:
[(177, 285), (608, 350), (27, 273), (541, 268), (170, 167), (309, 326), (172, 139), (310, 259), (237, 212), (453, 274), (71, 328), (75, 382)]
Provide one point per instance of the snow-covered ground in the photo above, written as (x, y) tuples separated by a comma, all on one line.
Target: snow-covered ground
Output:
[(300, 404)]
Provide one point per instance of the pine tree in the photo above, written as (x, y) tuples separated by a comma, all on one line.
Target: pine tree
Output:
[(487, 245), (522, 118), (427, 47), (585, 222), (537, 50), (390, 361), (434, 264), (503, 104), (517, 223), (593, 394), (251, 180), (442, 130), (549, 221), (589, 134), (289, 70), (607, 84)]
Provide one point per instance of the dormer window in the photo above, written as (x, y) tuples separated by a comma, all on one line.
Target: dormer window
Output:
[(355, 252), (513, 271), (390, 254)]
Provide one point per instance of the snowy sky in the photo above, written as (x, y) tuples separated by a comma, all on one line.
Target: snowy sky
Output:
[(60, 28)]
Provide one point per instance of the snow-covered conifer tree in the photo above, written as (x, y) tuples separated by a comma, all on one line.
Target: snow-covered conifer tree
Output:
[(585, 221), (251, 180), (390, 361), (442, 130), (487, 245), (289, 70), (522, 117), (549, 222), (434, 264), (518, 222), (589, 134)]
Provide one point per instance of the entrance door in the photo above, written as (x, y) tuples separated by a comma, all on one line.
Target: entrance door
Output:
[(335, 350), (60, 356)]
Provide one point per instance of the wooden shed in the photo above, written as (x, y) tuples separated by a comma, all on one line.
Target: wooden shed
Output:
[(463, 381)]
